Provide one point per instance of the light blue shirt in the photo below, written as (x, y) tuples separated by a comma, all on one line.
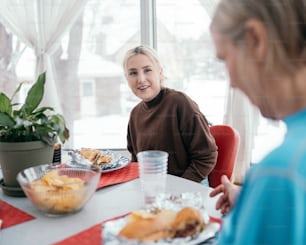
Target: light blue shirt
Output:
[(271, 208)]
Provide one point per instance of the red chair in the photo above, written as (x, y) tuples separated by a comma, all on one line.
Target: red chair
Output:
[(227, 140)]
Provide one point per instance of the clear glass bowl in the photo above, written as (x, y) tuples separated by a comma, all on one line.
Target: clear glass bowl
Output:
[(67, 193)]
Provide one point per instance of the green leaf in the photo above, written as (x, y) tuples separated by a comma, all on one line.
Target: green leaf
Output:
[(16, 91), (43, 109), (5, 104), (6, 120), (30, 122), (35, 95), (45, 133), (62, 131)]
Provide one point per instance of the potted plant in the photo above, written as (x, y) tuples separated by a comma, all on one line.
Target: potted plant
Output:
[(27, 134)]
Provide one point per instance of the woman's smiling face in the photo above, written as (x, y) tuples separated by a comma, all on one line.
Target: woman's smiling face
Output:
[(143, 76)]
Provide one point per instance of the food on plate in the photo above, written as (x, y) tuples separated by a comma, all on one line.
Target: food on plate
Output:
[(59, 193), (103, 159), (188, 221), (146, 226), (154, 226), (90, 154), (95, 156)]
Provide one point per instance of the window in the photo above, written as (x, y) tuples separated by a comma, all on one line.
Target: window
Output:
[(87, 100), (109, 29), (94, 94), (187, 51), (88, 89)]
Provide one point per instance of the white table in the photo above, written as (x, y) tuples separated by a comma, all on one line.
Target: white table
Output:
[(106, 203)]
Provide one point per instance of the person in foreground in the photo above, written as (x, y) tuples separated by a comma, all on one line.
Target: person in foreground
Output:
[(263, 44), (166, 119)]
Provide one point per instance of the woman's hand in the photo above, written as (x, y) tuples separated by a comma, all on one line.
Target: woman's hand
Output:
[(227, 200)]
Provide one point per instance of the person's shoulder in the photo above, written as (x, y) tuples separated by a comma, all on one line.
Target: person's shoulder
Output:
[(177, 95), (181, 99), (136, 108)]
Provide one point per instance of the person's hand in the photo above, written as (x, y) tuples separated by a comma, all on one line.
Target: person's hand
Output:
[(229, 192)]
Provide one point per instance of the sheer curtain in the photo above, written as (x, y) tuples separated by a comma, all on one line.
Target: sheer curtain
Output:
[(240, 114), (40, 24), (244, 117)]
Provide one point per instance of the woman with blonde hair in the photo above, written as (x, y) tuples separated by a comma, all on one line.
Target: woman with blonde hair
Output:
[(166, 119), (263, 44)]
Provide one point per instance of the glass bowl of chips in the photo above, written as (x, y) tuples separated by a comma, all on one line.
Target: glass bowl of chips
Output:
[(58, 190)]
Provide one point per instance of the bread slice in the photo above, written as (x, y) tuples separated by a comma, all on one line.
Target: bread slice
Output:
[(188, 222)]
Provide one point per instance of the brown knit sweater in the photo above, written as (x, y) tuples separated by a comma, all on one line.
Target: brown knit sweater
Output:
[(172, 122)]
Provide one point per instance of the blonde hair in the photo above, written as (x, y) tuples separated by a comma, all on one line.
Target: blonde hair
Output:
[(285, 21), (144, 50)]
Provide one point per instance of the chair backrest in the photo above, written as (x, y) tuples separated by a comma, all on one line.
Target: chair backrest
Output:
[(227, 140)]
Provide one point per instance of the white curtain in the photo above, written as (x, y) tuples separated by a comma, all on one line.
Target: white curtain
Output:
[(244, 117), (40, 24)]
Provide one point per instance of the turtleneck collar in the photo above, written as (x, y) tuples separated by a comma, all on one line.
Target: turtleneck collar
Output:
[(156, 100)]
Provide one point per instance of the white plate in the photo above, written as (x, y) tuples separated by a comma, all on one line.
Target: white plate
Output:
[(121, 162), (174, 202), (112, 228), (118, 161)]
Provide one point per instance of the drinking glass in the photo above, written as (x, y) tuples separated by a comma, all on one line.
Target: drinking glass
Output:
[(153, 167)]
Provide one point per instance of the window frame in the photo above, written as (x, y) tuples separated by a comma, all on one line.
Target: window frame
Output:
[(148, 19)]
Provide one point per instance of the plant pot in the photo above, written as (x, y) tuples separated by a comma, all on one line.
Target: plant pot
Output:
[(15, 157)]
